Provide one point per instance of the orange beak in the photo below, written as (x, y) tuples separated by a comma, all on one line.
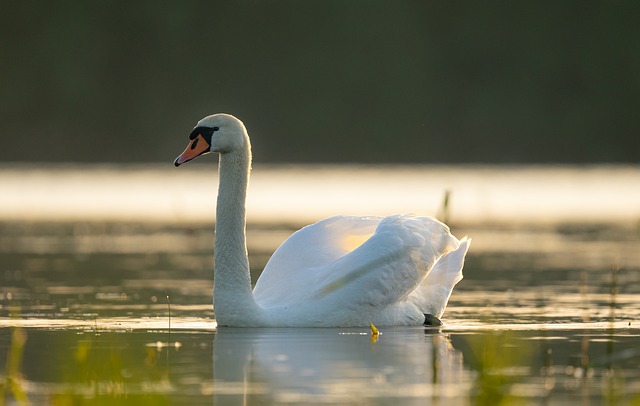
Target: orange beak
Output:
[(197, 146)]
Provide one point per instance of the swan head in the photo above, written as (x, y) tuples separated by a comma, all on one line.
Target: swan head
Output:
[(221, 133)]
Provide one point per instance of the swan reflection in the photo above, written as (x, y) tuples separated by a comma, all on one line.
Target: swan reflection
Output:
[(336, 365)]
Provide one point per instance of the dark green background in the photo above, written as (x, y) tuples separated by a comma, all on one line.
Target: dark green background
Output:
[(323, 81)]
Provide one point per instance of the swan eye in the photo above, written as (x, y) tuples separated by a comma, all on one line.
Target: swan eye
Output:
[(215, 128)]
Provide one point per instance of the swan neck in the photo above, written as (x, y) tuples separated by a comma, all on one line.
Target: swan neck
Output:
[(232, 295)]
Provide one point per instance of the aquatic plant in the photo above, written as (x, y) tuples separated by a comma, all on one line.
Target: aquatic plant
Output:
[(12, 381), (500, 362)]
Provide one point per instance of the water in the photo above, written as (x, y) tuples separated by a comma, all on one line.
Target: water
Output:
[(97, 308)]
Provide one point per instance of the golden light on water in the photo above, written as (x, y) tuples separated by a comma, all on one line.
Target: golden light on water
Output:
[(308, 193)]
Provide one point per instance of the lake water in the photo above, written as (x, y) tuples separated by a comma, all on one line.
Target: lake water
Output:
[(106, 278)]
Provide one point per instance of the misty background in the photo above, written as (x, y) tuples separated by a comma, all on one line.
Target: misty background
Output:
[(323, 81)]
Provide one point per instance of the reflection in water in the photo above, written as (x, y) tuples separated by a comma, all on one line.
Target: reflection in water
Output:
[(62, 367), (144, 365), (337, 366), (500, 365)]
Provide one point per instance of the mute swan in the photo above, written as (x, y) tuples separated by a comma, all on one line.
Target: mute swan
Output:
[(342, 271)]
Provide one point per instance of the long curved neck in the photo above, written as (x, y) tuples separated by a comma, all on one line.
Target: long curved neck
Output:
[(232, 297)]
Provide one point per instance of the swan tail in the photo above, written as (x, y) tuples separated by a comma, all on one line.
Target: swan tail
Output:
[(433, 293)]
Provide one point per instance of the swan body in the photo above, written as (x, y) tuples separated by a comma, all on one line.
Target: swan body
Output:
[(339, 272)]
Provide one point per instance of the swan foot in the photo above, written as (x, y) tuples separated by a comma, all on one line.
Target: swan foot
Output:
[(431, 321)]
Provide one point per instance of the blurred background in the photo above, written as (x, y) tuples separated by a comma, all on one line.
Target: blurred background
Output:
[(515, 122), (323, 81)]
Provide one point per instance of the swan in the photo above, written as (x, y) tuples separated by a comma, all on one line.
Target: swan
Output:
[(344, 271)]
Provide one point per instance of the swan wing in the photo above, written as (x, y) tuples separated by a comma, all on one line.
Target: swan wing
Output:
[(386, 268), (299, 260)]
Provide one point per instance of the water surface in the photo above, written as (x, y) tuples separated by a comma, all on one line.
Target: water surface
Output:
[(110, 310)]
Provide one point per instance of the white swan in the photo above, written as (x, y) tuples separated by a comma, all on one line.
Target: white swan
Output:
[(339, 272)]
